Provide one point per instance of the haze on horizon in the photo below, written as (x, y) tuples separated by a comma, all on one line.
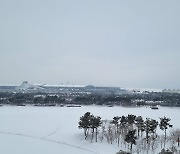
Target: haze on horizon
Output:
[(103, 43)]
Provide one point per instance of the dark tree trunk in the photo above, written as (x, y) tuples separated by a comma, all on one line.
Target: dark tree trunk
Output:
[(96, 134), (85, 133), (147, 137), (131, 147)]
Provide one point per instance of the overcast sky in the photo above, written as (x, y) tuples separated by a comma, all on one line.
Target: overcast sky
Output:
[(124, 43)]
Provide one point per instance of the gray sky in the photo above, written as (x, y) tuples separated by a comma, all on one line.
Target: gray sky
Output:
[(126, 43)]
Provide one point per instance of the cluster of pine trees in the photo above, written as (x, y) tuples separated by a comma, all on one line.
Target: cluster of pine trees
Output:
[(89, 121), (126, 131)]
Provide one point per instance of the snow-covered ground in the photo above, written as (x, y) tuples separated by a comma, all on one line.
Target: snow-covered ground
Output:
[(54, 130)]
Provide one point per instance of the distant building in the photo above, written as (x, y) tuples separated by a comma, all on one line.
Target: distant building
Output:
[(25, 87), (75, 90), (171, 90)]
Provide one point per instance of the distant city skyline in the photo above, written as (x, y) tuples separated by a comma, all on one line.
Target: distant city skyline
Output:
[(133, 44)]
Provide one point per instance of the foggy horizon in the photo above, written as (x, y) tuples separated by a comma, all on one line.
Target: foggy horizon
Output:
[(131, 44)]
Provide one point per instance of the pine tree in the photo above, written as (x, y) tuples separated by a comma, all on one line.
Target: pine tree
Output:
[(150, 126), (139, 122), (85, 123), (164, 124), (89, 121), (97, 123), (131, 138), (131, 119), (123, 123), (116, 123)]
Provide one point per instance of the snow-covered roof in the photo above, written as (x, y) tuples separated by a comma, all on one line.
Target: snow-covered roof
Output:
[(48, 85)]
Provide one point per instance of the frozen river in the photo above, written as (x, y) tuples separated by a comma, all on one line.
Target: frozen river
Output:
[(45, 130)]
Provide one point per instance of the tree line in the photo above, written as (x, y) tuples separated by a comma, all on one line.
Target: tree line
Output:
[(150, 98), (30, 98)]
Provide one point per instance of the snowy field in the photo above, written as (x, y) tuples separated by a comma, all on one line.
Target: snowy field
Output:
[(54, 130)]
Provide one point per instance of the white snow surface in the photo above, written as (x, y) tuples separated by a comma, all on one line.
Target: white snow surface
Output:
[(54, 130)]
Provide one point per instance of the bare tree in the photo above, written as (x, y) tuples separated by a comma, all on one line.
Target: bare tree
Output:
[(175, 136)]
